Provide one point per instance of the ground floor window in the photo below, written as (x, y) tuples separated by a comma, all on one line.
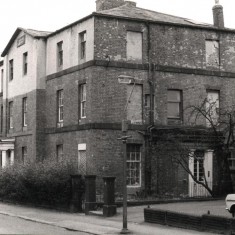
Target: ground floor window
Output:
[(231, 160), (133, 165)]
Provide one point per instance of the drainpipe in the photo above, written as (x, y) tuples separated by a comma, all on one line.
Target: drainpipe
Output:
[(151, 111)]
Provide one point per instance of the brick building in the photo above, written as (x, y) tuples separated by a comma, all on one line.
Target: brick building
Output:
[(61, 99)]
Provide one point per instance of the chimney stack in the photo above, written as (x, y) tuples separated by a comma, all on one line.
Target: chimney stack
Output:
[(130, 3), (218, 15), (102, 5)]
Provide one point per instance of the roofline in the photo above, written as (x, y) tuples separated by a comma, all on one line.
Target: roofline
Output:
[(166, 23), (18, 30), (70, 25)]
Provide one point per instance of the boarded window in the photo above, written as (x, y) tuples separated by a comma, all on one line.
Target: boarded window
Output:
[(82, 169), (134, 99), (134, 46), (212, 53), (212, 107)]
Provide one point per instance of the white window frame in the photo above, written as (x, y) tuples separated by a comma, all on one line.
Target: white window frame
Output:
[(83, 39), (60, 106), (11, 70), (24, 110), (60, 54), (177, 102), (83, 100), (25, 63), (10, 109), (136, 161)]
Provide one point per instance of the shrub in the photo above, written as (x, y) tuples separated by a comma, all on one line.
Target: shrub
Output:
[(45, 182)]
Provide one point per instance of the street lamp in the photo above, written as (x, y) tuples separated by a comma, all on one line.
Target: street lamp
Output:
[(124, 79)]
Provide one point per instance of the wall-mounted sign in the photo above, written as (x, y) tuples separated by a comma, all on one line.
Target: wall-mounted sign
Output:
[(21, 41)]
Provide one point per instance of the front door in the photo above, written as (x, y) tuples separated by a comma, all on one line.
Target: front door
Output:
[(203, 163)]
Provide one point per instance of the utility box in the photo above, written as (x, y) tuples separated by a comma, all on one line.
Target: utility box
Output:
[(109, 207), (77, 192), (90, 193)]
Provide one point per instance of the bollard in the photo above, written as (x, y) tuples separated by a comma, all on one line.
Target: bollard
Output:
[(109, 208), (90, 193), (77, 191)]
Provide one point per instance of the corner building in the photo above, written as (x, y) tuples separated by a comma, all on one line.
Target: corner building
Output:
[(61, 97)]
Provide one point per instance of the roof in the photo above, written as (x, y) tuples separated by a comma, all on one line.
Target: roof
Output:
[(31, 32), (148, 15)]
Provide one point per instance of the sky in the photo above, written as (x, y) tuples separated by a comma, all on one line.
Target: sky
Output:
[(51, 15)]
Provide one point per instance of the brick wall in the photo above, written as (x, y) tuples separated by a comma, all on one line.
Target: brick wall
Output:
[(103, 152)]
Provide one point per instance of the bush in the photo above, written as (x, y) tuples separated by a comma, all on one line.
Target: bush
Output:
[(45, 182)]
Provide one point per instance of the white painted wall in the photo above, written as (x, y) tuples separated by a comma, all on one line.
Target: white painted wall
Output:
[(70, 38), (22, 84)]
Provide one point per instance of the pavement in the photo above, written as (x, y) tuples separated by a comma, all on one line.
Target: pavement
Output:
[(93, 224)]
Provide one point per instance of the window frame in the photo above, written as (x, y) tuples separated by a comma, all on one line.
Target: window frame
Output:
[(10, 115), (60, 54), (83, 99), (83, 40), (2, 77), (25, 63), (24, 154), (60, 106), (211, 91), (24, 111), (11, 70), (59, 152), (137, 148), (180, 104)]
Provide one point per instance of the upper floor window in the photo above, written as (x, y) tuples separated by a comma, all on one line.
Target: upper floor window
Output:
[(82, 37), (82, 90), (11, 70), (10, 111), (2, 74), (25, 63), (133, 165), (24, 111), (174, 104), (134, 46), (60, 106), (1, 121), (212, 53), (60, 54), (212, 107)]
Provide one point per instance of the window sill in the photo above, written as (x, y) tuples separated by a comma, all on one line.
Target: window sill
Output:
[(60, 124), (134, 186)]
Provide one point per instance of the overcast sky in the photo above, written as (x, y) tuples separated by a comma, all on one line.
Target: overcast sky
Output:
[(50, 15)]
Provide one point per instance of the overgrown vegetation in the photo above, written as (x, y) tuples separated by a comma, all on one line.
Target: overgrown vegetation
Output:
[(46, 183)]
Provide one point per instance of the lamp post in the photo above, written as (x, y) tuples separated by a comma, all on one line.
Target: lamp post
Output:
[(124, 79)]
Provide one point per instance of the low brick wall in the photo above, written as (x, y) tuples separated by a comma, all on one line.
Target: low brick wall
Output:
[(201, 223)]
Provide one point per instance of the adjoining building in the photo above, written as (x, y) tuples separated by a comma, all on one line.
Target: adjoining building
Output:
[(61, 97)]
